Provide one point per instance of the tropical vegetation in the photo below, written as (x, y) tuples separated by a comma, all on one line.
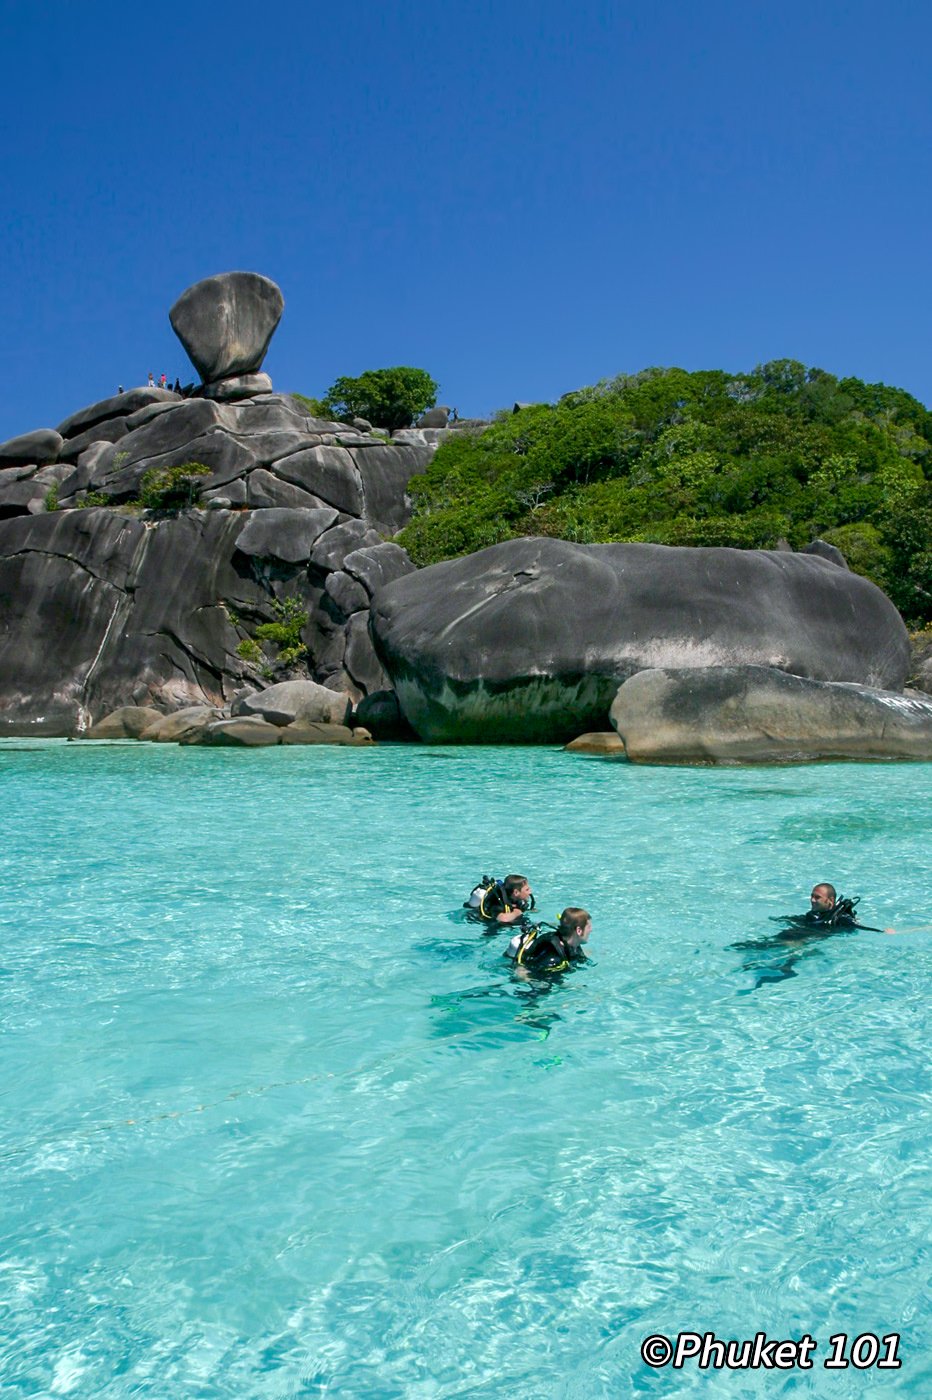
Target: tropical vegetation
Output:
[(784, 453)]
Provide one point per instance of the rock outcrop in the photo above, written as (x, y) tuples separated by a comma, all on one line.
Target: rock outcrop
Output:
[(528, 641), (225, 323), (117, 606), (744, 714)]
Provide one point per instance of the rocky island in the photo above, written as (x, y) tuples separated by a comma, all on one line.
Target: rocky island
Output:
[(220, 566)]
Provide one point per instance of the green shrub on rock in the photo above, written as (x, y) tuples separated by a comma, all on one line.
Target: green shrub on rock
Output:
[(172, 488)]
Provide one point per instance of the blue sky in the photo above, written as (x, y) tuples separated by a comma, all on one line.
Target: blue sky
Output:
[(519, 197)]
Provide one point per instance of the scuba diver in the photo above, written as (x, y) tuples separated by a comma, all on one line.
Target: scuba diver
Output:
[(500, 901), (543, 948), (828, 914)]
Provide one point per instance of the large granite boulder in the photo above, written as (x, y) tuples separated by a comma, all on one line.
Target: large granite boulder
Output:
[(36, 449), (528, 641), (225, 323), (756, 714), (131, 401)]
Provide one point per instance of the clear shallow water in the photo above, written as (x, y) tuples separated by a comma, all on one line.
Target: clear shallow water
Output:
[(275, 1122)]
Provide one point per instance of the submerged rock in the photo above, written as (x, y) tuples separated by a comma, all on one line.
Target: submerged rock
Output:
[(754, 714), (602, 744)]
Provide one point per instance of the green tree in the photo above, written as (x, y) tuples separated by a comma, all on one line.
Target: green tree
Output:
[(388, 398)]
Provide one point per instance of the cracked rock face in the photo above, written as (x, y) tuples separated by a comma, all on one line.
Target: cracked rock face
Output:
[(528, 641), (225, 324), (753, 714)]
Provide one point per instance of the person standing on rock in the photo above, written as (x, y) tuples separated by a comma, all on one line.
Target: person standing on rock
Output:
[(151, 380)]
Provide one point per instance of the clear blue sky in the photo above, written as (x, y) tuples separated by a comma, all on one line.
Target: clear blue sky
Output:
[(519, 197)]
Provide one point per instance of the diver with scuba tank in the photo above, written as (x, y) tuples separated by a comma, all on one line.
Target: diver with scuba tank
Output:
[(828, 912), (543, 948), (500, 901)]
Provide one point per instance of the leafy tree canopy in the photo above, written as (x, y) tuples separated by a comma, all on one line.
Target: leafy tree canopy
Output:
[(704, 458), (388, 398)]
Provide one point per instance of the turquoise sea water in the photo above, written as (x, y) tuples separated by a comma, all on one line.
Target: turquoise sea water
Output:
[(276, 1122)]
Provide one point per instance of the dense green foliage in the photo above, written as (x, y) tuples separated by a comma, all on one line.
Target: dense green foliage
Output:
[(702, 458), (388, 398), (172, 488), (285, 631)]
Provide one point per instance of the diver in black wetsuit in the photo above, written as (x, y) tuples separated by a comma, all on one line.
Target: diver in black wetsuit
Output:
[(827, 914), (501, 901), (545, 949)]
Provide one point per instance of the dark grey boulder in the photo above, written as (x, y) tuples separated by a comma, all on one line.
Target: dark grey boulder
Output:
[(119, 406), (289, 535), (529, 640), (263, 490), (339, 541), (238, 386), (291, 702), (232, 493), (144, 415), (225, 323), (34, 449), (824, 550), (346, 592), (434, 418), (385, 470), (381, 715), (120, 469), (63, 578), (328, 472), (376, 565), (110, 431), (360, 660), (128, 722), (80, 478), (23, 497), (754, 714)]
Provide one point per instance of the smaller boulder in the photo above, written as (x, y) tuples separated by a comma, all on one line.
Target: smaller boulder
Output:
[(180, 725), (35, 449), (291, 702), (238, 386), (325, 734), (246, 732), (598, 743), (380, 714), (286, 534), (434, 418), (128, 722), (823, 550)]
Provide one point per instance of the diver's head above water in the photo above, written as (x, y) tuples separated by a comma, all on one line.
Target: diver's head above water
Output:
[(823, 897), (574, 928)]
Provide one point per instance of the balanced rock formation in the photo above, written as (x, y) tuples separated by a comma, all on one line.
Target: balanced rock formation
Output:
[(225, 323), (746, 714), (528, 641)]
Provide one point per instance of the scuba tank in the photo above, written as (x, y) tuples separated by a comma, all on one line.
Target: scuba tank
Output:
[(476, 894)]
